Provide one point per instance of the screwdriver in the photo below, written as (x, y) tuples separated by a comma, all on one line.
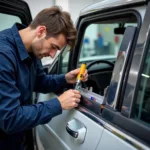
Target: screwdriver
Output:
[(80, 76)]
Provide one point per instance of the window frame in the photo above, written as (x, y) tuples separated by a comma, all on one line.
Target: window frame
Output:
[(85, 21), (125, 120), (143, 54)]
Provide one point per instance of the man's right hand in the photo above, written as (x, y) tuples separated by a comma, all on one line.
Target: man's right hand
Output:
[(69, 99)]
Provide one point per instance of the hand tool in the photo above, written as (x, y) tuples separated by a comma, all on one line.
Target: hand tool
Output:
[(80, 76)]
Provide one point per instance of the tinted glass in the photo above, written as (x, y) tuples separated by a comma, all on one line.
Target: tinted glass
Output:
[(142, 112)]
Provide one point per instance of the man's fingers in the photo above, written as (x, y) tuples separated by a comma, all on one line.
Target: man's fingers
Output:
[(76, 71), (76, 100), (78, 96), (86, 72), (76, 92), (85, 78)]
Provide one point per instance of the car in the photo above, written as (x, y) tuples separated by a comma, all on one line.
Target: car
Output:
[(114, 112)]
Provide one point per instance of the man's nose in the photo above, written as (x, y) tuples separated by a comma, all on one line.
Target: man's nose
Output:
[(52, 53)]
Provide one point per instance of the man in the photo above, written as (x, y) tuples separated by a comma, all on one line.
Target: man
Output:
[(21, 73)]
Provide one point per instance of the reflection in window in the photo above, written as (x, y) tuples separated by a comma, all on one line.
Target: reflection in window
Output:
[(143, 99)]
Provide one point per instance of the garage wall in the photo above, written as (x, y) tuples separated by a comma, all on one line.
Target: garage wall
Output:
[(38, 5), (75, 7)]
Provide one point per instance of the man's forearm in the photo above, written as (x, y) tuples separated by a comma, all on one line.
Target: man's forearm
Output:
[(26, 117)]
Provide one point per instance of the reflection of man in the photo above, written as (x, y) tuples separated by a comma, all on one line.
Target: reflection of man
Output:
[(21, 73)]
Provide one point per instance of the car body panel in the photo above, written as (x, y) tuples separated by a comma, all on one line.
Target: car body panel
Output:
[(112, 139), (56, 129), (108, 5)]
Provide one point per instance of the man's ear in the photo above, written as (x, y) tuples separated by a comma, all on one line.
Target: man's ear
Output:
[(41, 31)]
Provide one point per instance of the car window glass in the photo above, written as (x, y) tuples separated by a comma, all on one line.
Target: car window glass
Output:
[(64, 60), (118, 71), (142, 110), (100, 42), (8, 20)]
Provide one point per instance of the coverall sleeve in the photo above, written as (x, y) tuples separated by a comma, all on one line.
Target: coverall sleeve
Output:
[(48, 83), (13, 116)]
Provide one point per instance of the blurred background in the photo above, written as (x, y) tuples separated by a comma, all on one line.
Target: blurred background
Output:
[(72, 6)]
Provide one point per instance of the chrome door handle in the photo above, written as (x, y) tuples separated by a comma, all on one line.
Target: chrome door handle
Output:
[(77, 130), (71, 132)]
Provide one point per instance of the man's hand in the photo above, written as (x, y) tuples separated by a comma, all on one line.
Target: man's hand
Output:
[(72, 75), (69, 99)]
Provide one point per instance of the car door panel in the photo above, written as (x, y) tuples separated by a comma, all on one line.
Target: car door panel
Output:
[(115, 143), (57, 127), (53, 141)]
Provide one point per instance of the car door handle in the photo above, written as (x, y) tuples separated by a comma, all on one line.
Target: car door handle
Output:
[(77, 130)]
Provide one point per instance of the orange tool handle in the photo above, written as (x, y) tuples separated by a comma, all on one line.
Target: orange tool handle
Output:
[(81, 73)]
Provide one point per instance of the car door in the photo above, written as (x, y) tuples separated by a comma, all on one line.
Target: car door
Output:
[(15, 12), (72, 129), (133, 110), (85, 127)]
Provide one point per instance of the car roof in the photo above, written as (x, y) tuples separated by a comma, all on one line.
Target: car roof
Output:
[(107, 4)]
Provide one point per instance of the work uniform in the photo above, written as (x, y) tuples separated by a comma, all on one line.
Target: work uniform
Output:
[(21, 74)]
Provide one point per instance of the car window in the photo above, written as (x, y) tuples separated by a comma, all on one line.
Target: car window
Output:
[(100, 42), (106, 45), (142, 112), (8, 20), (64, 60)]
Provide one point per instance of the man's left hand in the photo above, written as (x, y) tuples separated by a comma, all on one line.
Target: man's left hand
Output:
[(72, 75)]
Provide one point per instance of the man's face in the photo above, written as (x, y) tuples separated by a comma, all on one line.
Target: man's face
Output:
[(43, 47)]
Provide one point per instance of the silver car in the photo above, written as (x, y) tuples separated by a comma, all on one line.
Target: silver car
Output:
[(114, 113)]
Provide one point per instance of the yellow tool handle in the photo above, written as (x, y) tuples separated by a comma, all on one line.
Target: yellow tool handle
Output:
[(81, 73)]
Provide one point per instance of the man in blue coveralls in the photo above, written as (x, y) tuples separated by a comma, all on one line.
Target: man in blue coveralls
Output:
[(21, 73)]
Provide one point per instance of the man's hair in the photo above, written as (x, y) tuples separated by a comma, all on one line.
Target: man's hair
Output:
[(56, 22)]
